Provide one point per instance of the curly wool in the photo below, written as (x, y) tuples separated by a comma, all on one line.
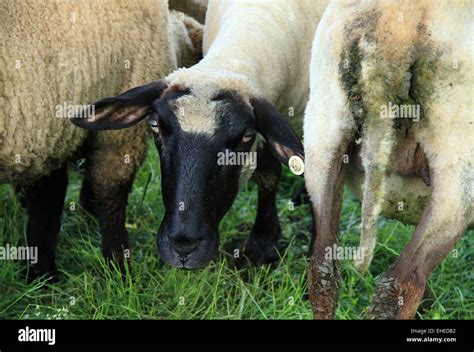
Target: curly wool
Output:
[(62, 53)]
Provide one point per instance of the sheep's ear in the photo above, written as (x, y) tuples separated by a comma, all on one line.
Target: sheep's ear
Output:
[(282, 139), (122, 111)]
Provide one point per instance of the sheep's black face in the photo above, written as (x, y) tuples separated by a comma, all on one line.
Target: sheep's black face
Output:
[(205, 141), (199, 178)]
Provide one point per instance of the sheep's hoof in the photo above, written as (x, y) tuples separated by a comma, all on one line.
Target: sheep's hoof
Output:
[(323, 287), (118, 264), (398, 299), (261, 253), (34, 273), (386, 299)]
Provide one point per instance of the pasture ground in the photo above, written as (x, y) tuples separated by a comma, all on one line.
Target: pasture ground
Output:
[(87, 290)]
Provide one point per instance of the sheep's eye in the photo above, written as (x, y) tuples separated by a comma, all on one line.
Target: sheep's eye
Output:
[(247, 137), (154, 125)]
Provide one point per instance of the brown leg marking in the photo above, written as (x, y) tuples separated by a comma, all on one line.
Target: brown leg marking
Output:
[(110, 207), (323, 276), (397, 300), (324, 287), (400, 291)]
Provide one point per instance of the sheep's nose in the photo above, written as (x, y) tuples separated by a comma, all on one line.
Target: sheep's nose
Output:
[(183, 245)]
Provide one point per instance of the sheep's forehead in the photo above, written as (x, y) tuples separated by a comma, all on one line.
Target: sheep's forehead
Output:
[(196, 115), (198, 112)]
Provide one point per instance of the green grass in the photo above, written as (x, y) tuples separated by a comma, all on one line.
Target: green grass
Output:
[(88, 290)]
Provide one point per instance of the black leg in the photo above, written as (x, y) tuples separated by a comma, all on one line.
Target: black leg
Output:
[(261, 246), (44, 201), (112, 160), (301, 197), (109, 206), (87, 196)]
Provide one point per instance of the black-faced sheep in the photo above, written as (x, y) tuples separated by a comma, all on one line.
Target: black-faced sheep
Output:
[(55, 55), (257, 54), (395, 78)]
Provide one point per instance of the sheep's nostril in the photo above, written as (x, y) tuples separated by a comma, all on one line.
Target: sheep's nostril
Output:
[(183, 246)]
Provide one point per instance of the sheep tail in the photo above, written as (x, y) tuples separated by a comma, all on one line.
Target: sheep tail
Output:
[(377, 146)]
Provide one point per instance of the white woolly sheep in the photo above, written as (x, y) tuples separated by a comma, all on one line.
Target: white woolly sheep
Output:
[(370, 58), (54, 55), (257, 54)]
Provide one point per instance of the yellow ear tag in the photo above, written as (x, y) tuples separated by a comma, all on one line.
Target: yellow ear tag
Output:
[(296, 165)]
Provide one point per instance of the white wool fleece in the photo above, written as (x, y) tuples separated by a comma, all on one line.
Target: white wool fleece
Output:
[(257, 47)]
